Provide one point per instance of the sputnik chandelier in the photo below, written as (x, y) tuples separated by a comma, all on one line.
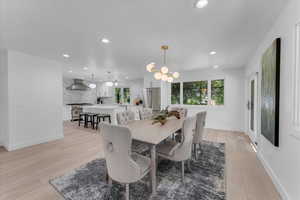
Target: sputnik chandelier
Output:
[(163, 73)]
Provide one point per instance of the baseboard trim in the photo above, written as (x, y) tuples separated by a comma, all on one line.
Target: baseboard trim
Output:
[(34, 142), (284, 195)]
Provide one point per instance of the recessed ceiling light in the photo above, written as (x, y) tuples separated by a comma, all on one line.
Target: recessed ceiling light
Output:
[(70, 71), (216, 66), (213, 53), (127, 77), (85, 68), (105, 40), (66, 55), (201, 3)]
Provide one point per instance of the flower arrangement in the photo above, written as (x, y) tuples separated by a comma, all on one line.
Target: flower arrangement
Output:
[(163, 116)]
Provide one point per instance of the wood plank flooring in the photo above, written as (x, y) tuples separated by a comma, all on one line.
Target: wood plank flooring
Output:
[(24, 174)]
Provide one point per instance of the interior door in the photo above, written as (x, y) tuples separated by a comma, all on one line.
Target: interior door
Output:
[(252, 108)]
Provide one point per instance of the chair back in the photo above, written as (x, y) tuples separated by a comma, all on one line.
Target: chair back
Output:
[(117, 151), (200, 124), (182, 111), (124, 117), (145, 113), (184, 151)]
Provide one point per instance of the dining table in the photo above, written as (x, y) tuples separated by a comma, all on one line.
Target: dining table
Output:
[(153, 134)]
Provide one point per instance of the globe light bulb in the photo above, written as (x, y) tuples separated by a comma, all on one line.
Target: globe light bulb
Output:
[(92, 85), (164, 77), (170, 79), (164, 69), (176, 75), (157, 75), (150, 67)]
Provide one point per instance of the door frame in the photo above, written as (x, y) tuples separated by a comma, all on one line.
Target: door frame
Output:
[(253, 134)]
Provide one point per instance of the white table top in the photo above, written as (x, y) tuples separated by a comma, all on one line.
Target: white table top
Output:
[(145, 131)]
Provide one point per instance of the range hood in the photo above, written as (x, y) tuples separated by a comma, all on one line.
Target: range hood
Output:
[(78, 85)]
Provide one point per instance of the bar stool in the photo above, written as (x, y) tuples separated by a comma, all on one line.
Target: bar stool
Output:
[(82, 117), (89, 119), (103, 117)]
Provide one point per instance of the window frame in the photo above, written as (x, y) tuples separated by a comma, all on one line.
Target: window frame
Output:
[(209, 80), (208, 94), (223, 90)]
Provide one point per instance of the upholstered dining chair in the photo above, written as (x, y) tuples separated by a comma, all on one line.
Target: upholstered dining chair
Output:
[(146, 113), (182, 151), (122, 165), (182, 111), (183, 114), (199, 132), (123, 118)]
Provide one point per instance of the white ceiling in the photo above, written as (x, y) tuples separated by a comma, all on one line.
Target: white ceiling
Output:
[(137, 29)]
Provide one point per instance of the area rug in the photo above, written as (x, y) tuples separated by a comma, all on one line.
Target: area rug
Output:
[(204, 181)]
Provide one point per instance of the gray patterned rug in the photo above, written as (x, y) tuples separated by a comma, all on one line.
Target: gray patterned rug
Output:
[(205, 181)]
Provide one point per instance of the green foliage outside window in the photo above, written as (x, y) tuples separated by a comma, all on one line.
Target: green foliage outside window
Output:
[(195, 93), (126, 95), (175, 93), (118, 95), (217, 92)]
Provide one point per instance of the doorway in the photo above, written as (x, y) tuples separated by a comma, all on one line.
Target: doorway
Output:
[(252, 107)]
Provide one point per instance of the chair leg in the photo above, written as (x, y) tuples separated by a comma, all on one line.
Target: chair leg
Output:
[(189, 165), (109, 181), (182, 171), (127, 191), (196, 151)]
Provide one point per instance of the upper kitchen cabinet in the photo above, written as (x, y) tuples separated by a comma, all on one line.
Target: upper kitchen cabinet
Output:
[(104, 91)]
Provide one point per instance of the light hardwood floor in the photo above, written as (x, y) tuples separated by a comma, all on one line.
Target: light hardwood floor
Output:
[(24, 174)]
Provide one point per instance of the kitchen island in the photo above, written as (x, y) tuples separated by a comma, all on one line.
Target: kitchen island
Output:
[(112, 110)]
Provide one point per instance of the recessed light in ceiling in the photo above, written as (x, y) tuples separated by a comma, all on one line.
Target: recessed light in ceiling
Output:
[(213, 53), (105, 40), (85, 68), (70, 71), (216, 66), (201, 3), (126, 77), (66, 55)]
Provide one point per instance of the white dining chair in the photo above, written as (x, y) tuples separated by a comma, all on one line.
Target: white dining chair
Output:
[(183, 114), (182, 111), (122, 165), (125, 117), (199, 132), (146, 113), (182, 151)]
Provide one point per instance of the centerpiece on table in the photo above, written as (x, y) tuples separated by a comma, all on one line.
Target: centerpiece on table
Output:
[(163, 116)]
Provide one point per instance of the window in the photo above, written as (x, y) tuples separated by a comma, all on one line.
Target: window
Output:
[(217, 92), (175, 93), (118, 95), (126, 95), (195, 93)]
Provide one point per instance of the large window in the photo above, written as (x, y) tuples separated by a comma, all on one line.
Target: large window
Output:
[(217, 92), (118, 95), (175, 93), (126, 95), (122, 95), (209, 92), (195, 93)]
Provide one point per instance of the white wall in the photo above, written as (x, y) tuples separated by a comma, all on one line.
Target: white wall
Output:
[(227, 117), (4, 137), (283, 163), (34, 99)]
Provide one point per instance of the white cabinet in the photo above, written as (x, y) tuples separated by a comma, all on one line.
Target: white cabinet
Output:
[(105, 91)]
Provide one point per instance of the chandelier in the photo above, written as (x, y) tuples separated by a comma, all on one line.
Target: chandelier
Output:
[(163, 73)]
